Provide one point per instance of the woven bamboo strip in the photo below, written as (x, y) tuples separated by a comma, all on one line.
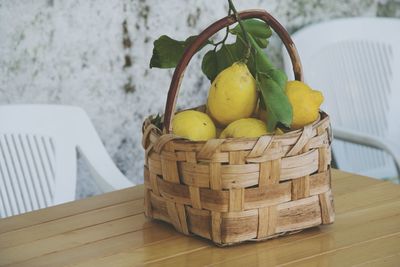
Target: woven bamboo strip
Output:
[(300, 160), (263, 197), (293, 173), (169, 167), (182, 218), (182, 156), (303, 140), (154, 163), (240, 168), (174, 192), (265, 169), (186, 146), (234, 158), (275, 173), (318, 140), (190, 157), (154, 183), (323, 159), (195, 197), (271, 154), (195, 179), (262, 230), (301, 187), (237, 144), (299, 214), (327, 208), (173, 215), (239, 180), (214, 200), (159, 208), (199, 222), (235, 230), (261, 146), (168, 155), (162, 141), (215, 176), (319, 183), (272, 220), (236, 199), (146, 177), (210, 148), (197, 168), (216, 222)]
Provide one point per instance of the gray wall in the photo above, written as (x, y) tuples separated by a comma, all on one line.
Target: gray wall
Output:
[(95, 54)]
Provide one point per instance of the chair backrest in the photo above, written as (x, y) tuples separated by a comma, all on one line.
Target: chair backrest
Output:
[(356, 63), (38, 156)]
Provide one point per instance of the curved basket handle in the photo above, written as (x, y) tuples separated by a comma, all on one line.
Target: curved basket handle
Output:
[(210, 31)]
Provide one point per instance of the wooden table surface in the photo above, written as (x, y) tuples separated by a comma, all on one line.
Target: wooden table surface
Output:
[(111, 230)]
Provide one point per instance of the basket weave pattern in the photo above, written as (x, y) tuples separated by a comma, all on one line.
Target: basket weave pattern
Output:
[(232, 190), (235, 190)]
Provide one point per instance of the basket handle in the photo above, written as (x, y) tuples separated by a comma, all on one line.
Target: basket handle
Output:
[(210, 31)]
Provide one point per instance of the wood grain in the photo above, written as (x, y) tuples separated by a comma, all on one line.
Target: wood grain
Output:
[(111, 230), (70, 223), (68, 209)]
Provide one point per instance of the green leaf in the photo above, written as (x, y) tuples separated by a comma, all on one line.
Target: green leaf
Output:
[(227, 55), (263, 43), (157, 121), (272, 82), (279, 77), (258, 59), (167, 52), (277, 103), (271, 85), (216, 61), (262, 62), (257, 28), (264, 65), (241, 47), (209, 65)]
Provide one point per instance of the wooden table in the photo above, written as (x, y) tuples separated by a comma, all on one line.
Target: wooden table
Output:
[(111, 230)]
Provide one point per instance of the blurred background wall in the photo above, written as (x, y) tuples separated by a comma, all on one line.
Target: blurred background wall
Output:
[(95, 54)]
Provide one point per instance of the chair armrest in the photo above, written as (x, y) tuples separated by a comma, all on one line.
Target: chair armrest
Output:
[(360, 138)]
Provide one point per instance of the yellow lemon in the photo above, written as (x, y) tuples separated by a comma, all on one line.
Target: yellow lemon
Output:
[(232, 94), (305, 103), (194, 125), (248, 127)]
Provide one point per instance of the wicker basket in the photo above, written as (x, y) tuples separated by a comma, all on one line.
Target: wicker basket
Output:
[(235, 190)]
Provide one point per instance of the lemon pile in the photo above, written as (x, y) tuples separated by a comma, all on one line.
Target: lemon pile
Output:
[(232, 106)]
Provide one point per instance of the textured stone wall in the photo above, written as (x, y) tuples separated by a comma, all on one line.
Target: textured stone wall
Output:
[(95, 54)]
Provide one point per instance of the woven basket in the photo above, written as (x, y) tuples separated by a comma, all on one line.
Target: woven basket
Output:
[(238, 189)]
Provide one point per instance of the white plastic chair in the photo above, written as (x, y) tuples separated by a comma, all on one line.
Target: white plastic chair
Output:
[(356, 63), (38, 156)]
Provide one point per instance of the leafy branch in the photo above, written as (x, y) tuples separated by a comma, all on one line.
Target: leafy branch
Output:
[(251, 38), (246, 34)]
